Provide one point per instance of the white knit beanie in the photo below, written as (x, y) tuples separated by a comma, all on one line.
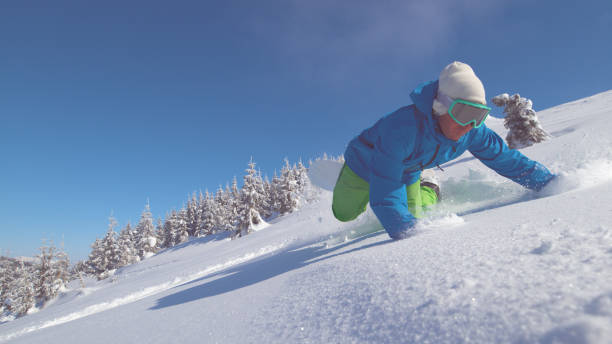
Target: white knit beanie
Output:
[(458, 81)]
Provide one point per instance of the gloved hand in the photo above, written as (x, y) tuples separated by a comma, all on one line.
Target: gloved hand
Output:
[(404, 233), (550, 179)]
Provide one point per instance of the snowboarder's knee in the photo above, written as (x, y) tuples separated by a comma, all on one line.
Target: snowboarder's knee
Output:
[(344, 216)]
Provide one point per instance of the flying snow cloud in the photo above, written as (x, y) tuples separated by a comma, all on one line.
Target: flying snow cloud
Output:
[(336, 39)]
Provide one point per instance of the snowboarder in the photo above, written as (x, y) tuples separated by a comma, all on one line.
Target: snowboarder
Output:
[(385, 162)]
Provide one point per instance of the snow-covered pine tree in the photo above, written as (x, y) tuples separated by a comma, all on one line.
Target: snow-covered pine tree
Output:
[(207, 207), (251, 202), (5, 279), (61, 265), (182, 230), (169, 231), (51, 273), (77, 271), (263, 206), (275, 194), (21, 296), (146, 240), (288, 189), (202, 209), (194, 215), (159, 234), (111, 247), (125, 242), (521, 121), (268, 192), (232, 198), (235, 191), (233, 206), (301, 176), (219, 210), (105, 253), (96, 262)]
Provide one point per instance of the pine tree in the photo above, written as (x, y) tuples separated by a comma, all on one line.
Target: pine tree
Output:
[(268, 208), (146, 240), (77, 271), (110, 246), (301, 176), (21, 296), (159, 234), (51, 273), (174, 230), (202, 209), (219, 210), (275, 194), (169, 231), (521, 121), (235, 192), (182, 229), (233, 207), (105, 254), (262, 196), (125, 242), (251, 203), (288, 192), (96, 262), (5, 279), (228, 206), (207, 227), (194, 216)]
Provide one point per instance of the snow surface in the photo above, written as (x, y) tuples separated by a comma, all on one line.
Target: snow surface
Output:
[(494, 263)]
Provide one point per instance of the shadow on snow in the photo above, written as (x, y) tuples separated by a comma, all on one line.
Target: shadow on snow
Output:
[(259, 270)]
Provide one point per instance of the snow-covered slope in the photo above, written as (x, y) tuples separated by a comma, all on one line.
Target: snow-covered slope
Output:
[(494, 263)]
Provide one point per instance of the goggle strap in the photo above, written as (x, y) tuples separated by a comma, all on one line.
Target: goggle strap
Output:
[(448, 101)]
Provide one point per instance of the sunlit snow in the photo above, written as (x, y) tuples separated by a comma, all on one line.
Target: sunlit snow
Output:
[(494, 263)]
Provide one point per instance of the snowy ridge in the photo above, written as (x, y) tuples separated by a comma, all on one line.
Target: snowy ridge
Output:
[(493, 263), (100, 307)]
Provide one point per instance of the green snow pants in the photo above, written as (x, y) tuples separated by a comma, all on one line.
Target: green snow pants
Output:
[(352, 194)]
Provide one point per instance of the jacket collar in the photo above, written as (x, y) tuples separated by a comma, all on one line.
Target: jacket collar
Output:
[(423, 97)]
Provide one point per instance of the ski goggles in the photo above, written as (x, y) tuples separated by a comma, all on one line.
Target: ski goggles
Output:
[(465, 112)]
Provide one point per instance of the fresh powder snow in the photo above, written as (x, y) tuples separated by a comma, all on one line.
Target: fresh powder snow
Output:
[(493, 263)]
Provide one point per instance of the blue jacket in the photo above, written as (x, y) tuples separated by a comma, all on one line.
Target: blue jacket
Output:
[(393, 152)]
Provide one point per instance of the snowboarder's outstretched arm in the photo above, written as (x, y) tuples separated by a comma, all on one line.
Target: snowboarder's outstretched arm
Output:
[(388, 197), (491, 149)]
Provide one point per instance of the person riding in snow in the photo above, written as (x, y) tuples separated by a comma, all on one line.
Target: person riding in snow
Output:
[(383, 164)]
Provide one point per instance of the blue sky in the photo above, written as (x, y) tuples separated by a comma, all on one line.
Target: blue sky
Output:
[(106, 104)]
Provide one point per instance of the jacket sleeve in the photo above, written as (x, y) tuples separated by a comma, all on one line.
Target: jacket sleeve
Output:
[(491, 149), (388, 197)]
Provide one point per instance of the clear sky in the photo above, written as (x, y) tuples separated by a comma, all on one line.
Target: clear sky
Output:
[(105, 104)]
